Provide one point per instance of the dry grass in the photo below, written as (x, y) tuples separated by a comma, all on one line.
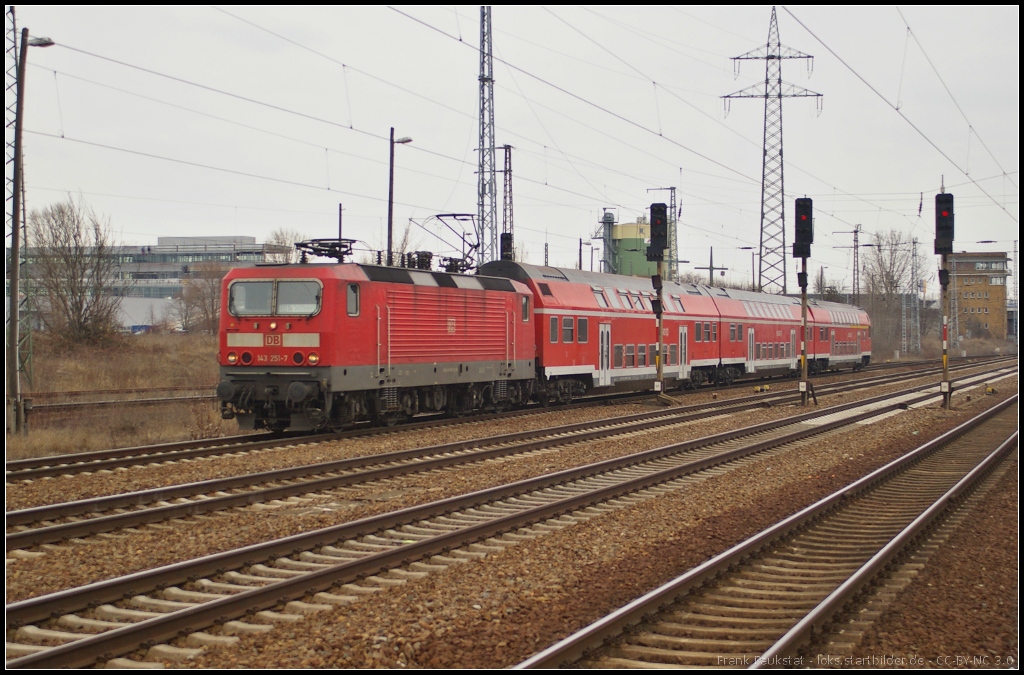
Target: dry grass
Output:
[(144, 361), (128, 362)]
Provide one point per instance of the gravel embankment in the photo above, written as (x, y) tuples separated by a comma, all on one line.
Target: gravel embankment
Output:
[(101, 558), (496, 612), (961, 611)]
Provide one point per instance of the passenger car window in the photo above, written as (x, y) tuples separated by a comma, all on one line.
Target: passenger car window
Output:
[(567, 329)]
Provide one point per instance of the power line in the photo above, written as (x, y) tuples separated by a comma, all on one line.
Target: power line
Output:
[(581, 99), (900, 113), (953, 98)]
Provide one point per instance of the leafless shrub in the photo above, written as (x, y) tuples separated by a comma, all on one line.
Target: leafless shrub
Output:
[(198, 306), (284, 239), (75, 265)]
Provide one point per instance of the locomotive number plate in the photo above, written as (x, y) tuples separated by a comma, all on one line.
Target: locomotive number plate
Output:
[(271, 340)]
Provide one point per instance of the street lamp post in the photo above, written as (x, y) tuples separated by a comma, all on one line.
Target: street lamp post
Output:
[(391, 192), (16, 408)]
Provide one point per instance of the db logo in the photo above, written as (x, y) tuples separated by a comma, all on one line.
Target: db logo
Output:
[(271, 340), (451, 325)]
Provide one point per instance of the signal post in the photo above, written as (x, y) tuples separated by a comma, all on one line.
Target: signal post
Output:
[(944, 247), (656, 253), (802, 249)]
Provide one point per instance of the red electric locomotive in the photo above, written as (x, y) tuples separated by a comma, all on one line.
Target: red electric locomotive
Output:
[(321, 345)]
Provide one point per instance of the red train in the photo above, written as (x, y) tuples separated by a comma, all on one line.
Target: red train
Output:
[(313, 346)]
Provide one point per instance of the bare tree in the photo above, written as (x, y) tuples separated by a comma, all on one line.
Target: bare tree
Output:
[(887, 275), (75, 265), (283, 239), (198, 306)]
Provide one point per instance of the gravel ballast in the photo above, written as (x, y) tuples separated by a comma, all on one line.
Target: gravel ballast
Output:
[(496, 612)]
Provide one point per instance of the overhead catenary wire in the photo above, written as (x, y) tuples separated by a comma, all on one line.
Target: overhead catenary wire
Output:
[(900, 113)]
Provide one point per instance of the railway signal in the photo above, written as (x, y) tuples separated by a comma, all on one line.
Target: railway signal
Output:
[(944, 247), (943, 224), (802, 241), (804, 228), (659, 233)]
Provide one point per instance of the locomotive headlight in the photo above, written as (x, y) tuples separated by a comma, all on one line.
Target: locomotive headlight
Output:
[(273, 325), (313, 358), (232, 358)]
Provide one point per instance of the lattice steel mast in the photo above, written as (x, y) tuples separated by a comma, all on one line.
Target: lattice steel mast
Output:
[(487, 208), (772, 268)]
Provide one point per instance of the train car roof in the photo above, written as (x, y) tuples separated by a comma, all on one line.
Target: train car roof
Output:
[(540, 274), (395, 275)]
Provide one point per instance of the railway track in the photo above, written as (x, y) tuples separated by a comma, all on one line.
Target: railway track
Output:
[(54, 523), (105, 460), (758, 603), (281, 580)]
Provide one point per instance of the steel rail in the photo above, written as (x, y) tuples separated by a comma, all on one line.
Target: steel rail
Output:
[(823, 613), (121, 640), (416, 460), (573, 647), (57, 465)]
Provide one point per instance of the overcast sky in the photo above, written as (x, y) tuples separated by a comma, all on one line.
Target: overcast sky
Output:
[(194, 121)]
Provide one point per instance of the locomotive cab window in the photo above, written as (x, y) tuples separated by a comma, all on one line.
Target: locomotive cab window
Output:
[(274, 298), (298, 297), (352, 299), (526, 309), (251, 298)]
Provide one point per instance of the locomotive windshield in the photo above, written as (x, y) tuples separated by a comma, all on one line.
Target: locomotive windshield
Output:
[(298, 297), (274, 298)]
